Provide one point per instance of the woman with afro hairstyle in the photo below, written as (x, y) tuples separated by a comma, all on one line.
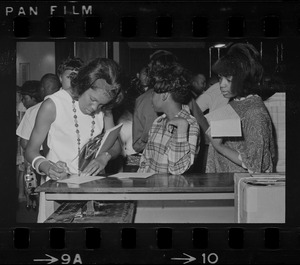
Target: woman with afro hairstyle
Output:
[(174, 136)]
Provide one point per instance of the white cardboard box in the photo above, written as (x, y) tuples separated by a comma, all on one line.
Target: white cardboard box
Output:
[(259, 198)]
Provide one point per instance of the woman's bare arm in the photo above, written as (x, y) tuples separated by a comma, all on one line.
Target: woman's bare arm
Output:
[(45, 117)]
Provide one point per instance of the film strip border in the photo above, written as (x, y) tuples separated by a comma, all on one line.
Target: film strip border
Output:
[(157, 21), (158, 244), (144, 20)]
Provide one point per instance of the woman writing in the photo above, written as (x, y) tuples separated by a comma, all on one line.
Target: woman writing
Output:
[(72, 117), (240, 74)]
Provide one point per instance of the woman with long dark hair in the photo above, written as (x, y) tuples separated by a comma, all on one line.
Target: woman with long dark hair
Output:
[(240, 75)]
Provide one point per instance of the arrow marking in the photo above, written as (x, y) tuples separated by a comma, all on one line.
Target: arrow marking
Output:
[(51, 260), (188, 259)]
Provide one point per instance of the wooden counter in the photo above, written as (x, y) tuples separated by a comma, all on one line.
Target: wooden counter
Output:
[(157, 188)]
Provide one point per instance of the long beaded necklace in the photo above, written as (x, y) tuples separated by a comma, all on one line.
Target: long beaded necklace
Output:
[(78, 132)]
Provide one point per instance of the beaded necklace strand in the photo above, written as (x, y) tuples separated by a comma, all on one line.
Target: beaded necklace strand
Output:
[(78, 132)]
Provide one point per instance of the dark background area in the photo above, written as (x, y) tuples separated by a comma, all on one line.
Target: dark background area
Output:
[(279, 56)]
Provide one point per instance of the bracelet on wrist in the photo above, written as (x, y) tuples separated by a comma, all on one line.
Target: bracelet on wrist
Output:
[(38, 163), (35, 159)]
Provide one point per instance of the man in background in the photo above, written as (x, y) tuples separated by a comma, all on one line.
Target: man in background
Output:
[(30, 92), (48, 85), (199, 85)]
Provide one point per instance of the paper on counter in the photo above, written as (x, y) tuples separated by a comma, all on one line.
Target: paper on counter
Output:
[(131, 175), (75, 179), (224, 122)]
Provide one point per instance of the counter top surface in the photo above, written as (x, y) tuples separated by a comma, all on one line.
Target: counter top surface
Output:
[(157, 183)]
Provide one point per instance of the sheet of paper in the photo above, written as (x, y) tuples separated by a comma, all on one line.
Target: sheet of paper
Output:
[(226, 128), (75, 179), (223, 113), (109, 138), (131, 175), (224, 122)]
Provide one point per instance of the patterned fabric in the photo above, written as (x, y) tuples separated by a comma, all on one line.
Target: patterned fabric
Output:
[(170, 152), (144, 116), (256, 146)]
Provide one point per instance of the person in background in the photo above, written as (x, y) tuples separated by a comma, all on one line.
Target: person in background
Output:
[(199, 85), (20, 167), (30, 92), (30, 96), (240, 74), (174, 136), (123, 113), (67, 70), (212, 98), (49, 84), (20, 108), (144, 114), (212, 80), (139, 84), (144, 78)]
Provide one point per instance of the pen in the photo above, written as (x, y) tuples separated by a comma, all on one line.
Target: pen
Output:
[(64, 167)]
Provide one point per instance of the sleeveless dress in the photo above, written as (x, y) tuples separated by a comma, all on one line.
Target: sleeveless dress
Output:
[(62, 140), (62, 136)]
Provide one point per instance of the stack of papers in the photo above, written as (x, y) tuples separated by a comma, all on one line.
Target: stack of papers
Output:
[(224, 122)]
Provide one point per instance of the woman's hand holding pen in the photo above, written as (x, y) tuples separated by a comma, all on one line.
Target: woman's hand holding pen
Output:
[(56, 170)]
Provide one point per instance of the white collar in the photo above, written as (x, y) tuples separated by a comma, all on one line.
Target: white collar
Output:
[(242, 98)]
